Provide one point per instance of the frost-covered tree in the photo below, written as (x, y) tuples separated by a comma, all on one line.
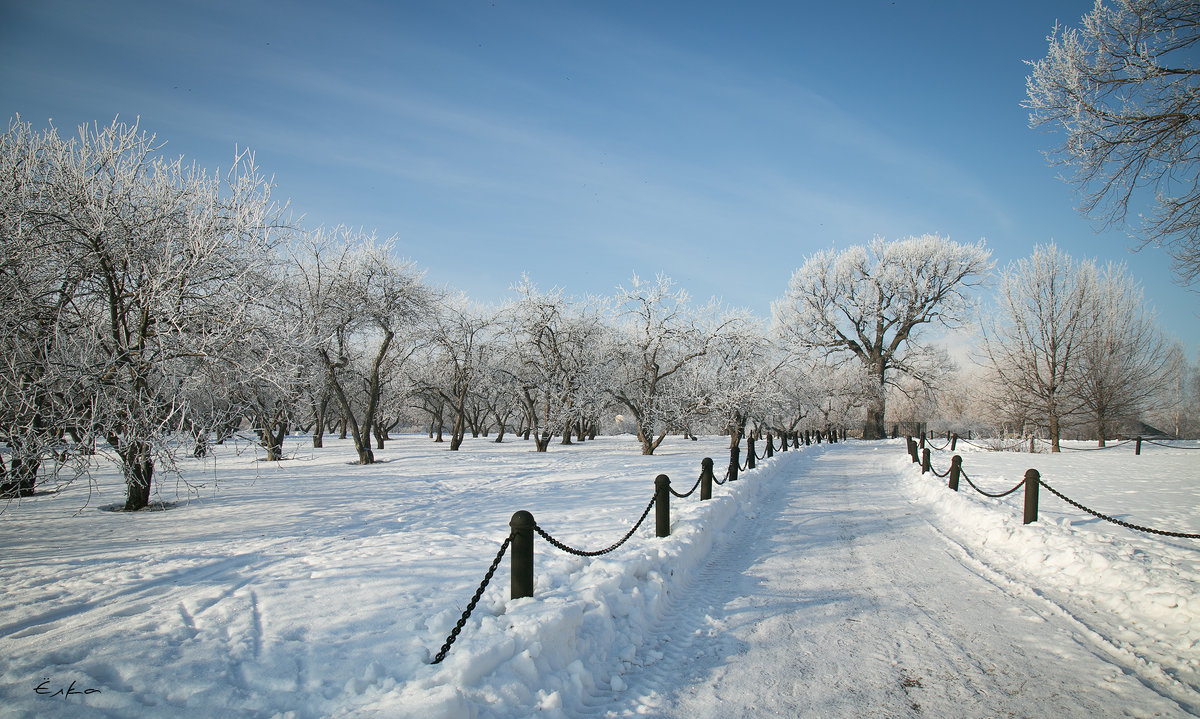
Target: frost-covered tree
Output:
[(1126, 360), (154, 271), (460, 331), (1035, 341), (658, 334), (360, 308), (869, 304), (1125, 88), (732, 384), (556, 368)]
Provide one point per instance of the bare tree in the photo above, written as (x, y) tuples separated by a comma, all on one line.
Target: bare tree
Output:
[(1035, 342), (1125, 88), (1127, 361), (870, 303)]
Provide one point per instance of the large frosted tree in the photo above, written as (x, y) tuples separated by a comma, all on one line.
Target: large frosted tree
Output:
[(154, 265), (870, 303)]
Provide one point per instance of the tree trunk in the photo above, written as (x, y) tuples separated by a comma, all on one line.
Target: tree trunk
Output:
[(873, 427), (543, 442), (138, 467), (318, 437), (1055, 432)]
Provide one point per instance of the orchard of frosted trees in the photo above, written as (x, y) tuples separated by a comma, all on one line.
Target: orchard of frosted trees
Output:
[(152, 308)]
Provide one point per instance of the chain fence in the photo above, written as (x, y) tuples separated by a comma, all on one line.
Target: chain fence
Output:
[(562, 546), (611, 548), (1171, 446), (1114, 520)]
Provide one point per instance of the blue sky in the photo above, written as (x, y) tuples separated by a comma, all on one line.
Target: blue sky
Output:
[(719, 143)]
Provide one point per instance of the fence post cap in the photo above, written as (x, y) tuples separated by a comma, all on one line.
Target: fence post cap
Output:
[(956, 459), (522, 520), (706, 462), (662, 480), (1032, 474)]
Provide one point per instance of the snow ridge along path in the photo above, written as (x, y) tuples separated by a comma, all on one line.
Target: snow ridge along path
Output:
[(838, 598)]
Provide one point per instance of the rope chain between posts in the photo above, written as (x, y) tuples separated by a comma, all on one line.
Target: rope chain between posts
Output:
[(1020, 484), (1169, 446), (474, 601), (581, 553), (999, 449), (1114, 520), (723, 480), (929, 444), (940, 474), (1096, 449), (689, 492)]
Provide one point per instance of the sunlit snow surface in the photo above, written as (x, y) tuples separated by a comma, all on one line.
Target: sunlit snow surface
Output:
[(831, 581)]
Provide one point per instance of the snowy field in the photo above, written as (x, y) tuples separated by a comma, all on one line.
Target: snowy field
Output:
[(314, 587)]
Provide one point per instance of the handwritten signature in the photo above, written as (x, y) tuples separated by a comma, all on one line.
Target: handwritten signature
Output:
[(67, 691)]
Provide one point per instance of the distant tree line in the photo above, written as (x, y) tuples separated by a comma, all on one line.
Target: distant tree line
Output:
[(152, 308)]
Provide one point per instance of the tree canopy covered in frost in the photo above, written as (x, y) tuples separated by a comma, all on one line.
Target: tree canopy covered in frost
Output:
[(1125, 89), (870, 303)]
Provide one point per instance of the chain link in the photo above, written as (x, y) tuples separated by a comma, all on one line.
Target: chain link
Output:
[(999, 449), (581, 553), (474, 601), (1170, 446), (963, 474), (1114, 520), (689, 492), (1096, 449)]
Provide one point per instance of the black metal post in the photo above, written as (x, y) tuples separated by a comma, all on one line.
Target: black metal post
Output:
[(706, 479), (662, 506), (925, 466), (1137, 448), (953, 441), (921, 442), (770, 445), (912, 449), (750, 451), (735, 462), (1032, 483), (955, 471), (522, 554)]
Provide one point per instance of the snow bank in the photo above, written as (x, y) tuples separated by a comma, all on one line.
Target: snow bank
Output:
[(583, 629)]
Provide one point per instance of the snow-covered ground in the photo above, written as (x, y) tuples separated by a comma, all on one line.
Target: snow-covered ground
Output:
[(832, 581)]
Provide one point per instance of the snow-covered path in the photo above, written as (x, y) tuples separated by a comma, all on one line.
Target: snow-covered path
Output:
[(841, 599)]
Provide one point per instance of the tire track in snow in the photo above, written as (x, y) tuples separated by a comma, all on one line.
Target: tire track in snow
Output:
[(839, 599)]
